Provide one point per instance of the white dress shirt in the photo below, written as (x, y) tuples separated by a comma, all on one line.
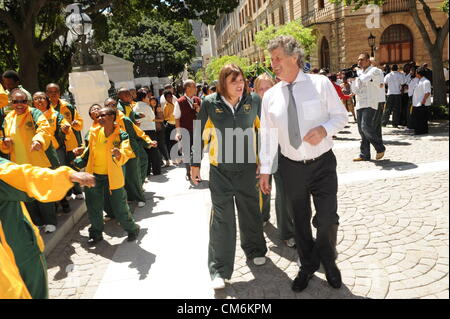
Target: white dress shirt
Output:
[(367, 88), (317, 105), (177, 108), (423, 87), (148, 122), (394, 81), (412, 86)]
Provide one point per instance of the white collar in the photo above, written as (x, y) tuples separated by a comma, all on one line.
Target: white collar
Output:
[(229, 104), (300, 77)]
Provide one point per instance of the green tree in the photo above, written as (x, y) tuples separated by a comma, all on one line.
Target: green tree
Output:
[(216, 64), (433, 37), (152, 35), (295, 28), (34, 25)]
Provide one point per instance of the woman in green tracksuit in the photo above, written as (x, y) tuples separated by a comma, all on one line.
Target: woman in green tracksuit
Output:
[(233, 177), (19, 184)]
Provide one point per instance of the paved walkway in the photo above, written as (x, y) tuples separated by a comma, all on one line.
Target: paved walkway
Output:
[(392, 241)]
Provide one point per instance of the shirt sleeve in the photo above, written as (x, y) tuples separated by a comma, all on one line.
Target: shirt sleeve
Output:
[(177, 110), (427, 87), (336, 110), (268, 138)]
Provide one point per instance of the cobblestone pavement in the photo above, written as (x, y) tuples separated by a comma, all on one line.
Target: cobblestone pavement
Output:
[(392, 241)]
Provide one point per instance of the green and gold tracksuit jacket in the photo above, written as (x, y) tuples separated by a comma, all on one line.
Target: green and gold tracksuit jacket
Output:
[(231, 137)]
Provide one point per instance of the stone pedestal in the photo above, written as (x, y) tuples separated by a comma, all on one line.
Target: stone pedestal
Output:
[(88, 88)]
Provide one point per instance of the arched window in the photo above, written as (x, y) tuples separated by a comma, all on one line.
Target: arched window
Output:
[(396, 45), (324, 54)]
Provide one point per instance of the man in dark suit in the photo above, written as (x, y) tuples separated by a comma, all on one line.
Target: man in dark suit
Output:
[(185, 113)]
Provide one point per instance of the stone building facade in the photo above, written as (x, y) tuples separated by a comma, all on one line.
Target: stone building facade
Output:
[(341, 33)]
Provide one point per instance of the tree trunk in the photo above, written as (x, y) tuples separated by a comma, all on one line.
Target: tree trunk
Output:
[(29, 60), (439, 85)]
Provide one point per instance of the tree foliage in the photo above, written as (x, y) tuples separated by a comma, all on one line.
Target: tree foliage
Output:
[(216, 64), (295, 28), (152, 35), (35, 25)]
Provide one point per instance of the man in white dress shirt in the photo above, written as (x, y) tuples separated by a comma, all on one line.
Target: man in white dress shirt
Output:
[(421, 102), (367, 90), (394, 81), (301, 114)]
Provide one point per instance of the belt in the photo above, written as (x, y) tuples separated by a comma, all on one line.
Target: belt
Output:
[(309, 161)]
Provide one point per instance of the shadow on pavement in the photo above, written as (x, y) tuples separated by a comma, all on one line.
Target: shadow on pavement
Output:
[(270, 282), (394, 165)]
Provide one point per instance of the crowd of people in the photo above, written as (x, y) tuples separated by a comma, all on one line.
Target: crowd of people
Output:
[(292, 118)]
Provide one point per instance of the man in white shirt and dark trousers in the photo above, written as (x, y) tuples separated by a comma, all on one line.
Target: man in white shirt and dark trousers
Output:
[(367, 90), (378, 118), (301, 114), (394, 81), (421, 102)]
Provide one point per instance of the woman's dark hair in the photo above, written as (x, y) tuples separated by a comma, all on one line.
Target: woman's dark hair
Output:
[(205, 89), (141, 95), (332, 77), (166, 93), (11, 74), (46, 98), (155, 99)]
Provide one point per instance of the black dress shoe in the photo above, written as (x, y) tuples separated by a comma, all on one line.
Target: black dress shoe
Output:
[(333, 275), (133, 236), (301, 281), (93, 241)]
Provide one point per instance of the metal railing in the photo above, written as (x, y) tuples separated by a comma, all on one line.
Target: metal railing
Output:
[(318, 15)]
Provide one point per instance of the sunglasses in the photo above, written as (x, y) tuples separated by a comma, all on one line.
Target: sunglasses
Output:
[(19, 101)]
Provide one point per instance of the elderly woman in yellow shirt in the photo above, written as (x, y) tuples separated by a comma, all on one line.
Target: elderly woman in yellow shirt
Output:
[(29, 141)]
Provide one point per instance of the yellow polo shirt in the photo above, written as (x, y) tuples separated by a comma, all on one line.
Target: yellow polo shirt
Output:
[(100, 154)]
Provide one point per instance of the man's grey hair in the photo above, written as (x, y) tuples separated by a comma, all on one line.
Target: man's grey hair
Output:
[(290, 46), (188, 83)]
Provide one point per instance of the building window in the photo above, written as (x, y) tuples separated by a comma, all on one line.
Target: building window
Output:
[(324, 54), (396, 45), (321, 4)]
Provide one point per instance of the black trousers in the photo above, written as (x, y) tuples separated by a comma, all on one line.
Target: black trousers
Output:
[(154, 157), (404, 109), (393, 105), (169, 142), (420, 120), (319, 180)]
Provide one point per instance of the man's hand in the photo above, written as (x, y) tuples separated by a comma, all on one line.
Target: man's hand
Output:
[(315, 136), (84, 179), (264, 184), (78, 151), (75, 123), (196, 107), (116, 154), (178, 137), (153, 144), (36, 146), (195, 175), (65, 128)]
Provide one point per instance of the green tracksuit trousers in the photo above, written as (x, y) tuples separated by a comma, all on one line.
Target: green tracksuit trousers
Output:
[(228, 188), (95, 198), (133, 180)]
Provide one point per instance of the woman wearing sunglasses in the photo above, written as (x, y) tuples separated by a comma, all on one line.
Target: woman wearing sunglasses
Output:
[(28, 140)]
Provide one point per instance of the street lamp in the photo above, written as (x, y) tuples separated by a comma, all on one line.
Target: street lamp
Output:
[(143, 60), (79, 24), (371, 40), (160, 57)]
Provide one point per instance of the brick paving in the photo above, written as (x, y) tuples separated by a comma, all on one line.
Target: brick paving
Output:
[(392, 241)]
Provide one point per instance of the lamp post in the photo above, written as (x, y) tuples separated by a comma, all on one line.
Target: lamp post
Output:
[(79, 24), (143, 61), (371, 41)]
